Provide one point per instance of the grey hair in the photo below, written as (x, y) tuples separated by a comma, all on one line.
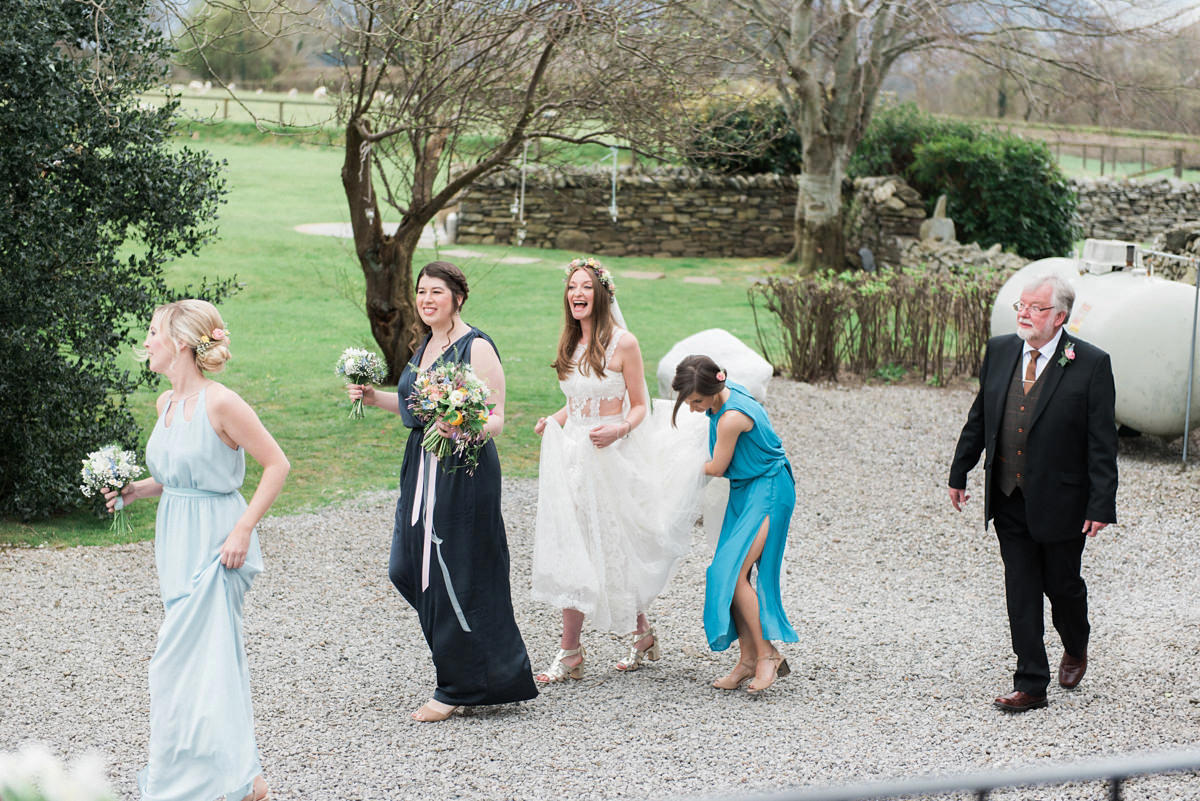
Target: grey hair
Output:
[(1064, 293)]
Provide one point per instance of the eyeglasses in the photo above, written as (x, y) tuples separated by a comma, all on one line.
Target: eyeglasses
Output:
[(1018, 306)]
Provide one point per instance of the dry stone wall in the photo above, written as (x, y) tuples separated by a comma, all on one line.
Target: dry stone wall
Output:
[(668, 212), (1135, 210), (685, 212)]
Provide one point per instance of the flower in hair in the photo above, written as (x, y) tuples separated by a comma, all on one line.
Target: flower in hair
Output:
[(596, 268), (210, 339), (720, 375)]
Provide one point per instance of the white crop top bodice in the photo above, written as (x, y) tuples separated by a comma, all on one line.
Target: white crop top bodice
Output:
[(586, 392)]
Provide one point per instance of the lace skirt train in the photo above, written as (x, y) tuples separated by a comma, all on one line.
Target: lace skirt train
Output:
[(612, 523)]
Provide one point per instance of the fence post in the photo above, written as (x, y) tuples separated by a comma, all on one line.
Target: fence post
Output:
[(1179, 162), (1101, 161), (226, 111), (1085, 156)]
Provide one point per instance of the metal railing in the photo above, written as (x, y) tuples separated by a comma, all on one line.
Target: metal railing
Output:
[(1113, 770)]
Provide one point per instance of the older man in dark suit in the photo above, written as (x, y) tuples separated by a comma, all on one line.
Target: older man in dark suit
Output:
[(1044, 414)]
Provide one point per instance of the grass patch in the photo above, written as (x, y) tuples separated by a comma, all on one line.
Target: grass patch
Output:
[(302, 303)]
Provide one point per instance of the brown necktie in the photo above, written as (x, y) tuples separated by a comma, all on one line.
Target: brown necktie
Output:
[(1031, 370)]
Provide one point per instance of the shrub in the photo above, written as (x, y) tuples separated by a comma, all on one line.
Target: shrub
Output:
[(95, 202), (749, 140), (1002, 189), (932, 323), (888, 146)]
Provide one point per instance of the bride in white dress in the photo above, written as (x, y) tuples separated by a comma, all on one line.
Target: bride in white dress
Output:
[(613, 518)]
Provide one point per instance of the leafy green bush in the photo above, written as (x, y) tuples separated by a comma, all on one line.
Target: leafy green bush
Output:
[(749, 140), (888, 146), (94, 203), (1002, 189)]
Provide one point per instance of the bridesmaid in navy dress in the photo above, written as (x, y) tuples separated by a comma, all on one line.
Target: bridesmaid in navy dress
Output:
[(449, 554), (206, 550)]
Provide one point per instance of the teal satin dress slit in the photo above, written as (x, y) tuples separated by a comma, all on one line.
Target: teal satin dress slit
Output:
[(761, 487)]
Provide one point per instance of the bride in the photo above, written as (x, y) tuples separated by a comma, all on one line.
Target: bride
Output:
[(607, 538)]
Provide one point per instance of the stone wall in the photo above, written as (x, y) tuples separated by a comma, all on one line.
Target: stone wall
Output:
[(667, 212), (1134, 210), (684, 212)]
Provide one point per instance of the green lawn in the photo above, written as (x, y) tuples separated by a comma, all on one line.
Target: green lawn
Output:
[(302, 304)]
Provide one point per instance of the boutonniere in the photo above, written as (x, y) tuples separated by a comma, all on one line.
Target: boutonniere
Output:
[(1068, 354)]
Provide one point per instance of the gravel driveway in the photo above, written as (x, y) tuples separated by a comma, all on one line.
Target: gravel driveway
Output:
[(898, 599)]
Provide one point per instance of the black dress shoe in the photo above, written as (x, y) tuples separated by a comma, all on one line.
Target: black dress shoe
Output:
[(1018, 701), (1071, 670)]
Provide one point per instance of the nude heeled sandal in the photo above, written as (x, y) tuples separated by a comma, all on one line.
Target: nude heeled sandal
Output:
[(558, 671), (781, 669), (636, 655)]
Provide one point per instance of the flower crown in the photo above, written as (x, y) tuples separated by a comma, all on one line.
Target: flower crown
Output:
[(210, 339), (596, 268)]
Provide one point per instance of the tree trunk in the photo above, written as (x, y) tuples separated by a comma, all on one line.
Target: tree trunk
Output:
[(819, 239), (386, 261)]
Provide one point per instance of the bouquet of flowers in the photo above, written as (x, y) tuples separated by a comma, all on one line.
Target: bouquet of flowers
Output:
[(453, 394), (34, 774), (358, 366), (113, 468)]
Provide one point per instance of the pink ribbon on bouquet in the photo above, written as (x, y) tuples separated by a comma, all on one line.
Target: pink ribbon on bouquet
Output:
[(424, 502)]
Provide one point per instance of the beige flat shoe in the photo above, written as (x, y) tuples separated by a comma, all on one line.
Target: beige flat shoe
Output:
[(433, 712)]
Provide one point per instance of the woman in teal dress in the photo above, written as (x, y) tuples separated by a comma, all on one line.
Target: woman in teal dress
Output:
[(206, 550), (449, 556), (762, 494)]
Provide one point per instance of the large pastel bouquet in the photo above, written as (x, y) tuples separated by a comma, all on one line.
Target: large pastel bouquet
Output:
[(358, 366), (451, 393), (113, 468)]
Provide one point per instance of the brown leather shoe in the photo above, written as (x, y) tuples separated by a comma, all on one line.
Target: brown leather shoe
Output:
[(1018, 701), (1071, 670)]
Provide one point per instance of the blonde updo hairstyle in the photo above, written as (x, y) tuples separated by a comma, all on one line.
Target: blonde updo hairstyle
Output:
[(198, 324)]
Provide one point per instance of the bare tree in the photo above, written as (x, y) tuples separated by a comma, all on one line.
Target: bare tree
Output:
[(435, 94), (439, 94), (828, 60)]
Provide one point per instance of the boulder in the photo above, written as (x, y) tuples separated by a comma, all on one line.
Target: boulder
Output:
[(742, 364)]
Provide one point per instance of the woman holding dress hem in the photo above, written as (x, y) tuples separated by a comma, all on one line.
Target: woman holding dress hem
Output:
[(745, 449), (207, 555), (603, 547), (464, 603)]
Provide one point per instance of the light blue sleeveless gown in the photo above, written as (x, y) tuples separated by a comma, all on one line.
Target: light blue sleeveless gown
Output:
[(760, 486), (201, 724)]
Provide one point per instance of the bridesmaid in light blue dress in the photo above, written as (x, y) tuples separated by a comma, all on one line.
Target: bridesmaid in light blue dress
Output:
[(762, 494), (207, 553)]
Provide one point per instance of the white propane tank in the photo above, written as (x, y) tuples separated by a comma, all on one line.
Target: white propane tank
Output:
[(1144, 323)]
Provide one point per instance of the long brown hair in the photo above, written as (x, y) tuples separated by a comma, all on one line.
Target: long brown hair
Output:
[(695, 374), (592, 362), (455, 280)]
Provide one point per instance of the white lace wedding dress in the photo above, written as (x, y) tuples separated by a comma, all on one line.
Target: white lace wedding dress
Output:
[(613, 522)]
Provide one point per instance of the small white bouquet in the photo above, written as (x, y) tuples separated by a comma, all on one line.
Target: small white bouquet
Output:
[(34, 774), (113, 468), (453, 394), (358, 366)]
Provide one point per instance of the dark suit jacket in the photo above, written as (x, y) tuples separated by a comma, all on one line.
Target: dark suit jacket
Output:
[(1071, 452)]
